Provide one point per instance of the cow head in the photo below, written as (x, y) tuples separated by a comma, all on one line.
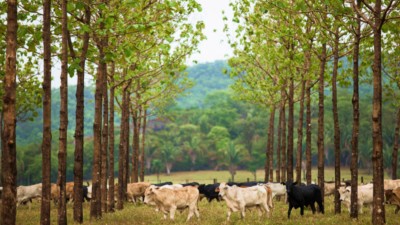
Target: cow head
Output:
[(149, 193), (289, 186), (389, 196), (344, 193), (221, 189)]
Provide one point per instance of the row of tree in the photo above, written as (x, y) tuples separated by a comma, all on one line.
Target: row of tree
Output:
[(136, 52), (288, 49)]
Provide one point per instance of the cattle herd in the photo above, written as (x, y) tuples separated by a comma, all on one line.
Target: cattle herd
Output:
[(168, 197)]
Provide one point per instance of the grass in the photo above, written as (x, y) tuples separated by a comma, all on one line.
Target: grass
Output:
[(210, 213)]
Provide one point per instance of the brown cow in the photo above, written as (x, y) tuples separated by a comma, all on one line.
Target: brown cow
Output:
[(393, 198), (55, 193), (391, 184), (136, 190)]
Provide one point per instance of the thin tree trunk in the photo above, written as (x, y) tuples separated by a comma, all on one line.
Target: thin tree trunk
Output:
[(283, 125), (278, 148), (290, 130), (300, 134), (95, 204), (308, 132), (111, 202), (127, 149), (104, 146), (395, 147), (268, 151), (62, 151), (79, 122), (320, 141), (356, 120), (46, 142), (378, 213), (8, 159), (136, 112), (271, 143), (336, 119), (142, 161)]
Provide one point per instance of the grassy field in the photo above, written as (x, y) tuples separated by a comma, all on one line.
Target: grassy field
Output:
[(211, 213)]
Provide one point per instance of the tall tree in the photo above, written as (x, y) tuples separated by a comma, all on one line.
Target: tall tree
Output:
[(356, 117), (8, 157), (396, 146), (376, 21), (46, 141), (79, 114), (111, 202), (104, 146), (62, 151)]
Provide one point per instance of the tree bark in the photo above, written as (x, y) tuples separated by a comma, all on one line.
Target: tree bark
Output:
[(95, 204), (290, 130), (269, 151), (300, 134), (111, 203), (79, 122), (283, 126), (356, 119), (142, 161), (308, 132), (378, 213), (395, 147), (278, 147), (62, 151), (136, 112), (320, 141), (8, 159), (104, 146), (46, 142), (336, 119)]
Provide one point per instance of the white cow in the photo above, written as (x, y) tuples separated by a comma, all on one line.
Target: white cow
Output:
[(170, 200), (27, 193), (365, 196), (151, 201), (278, 189), (238, 199)]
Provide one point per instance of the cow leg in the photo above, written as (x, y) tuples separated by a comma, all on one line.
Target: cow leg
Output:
[(321, 207), (228, 214), (242, 211), (302, 210), (191, 211), (312, 208), (289, 210), (172, 212), (397, 209)]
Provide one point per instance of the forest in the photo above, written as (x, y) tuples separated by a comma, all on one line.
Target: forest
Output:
[(309, 84)]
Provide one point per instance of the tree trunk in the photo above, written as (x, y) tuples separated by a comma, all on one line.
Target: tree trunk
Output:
[(111, 203), (104, 146), (79, 125), (278, 147), (271, 143), (300, 134), (356, 119), (136, 113), (142, 161), (8, 159), (378, 213), (283, 126), (336, 119), (127, 149), (46, 142), (95, 203), (122, 146), (395, 146), (320, 141), (62, 151), (290, 130)]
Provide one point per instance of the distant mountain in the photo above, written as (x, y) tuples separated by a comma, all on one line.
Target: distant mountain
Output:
[(208, 77)]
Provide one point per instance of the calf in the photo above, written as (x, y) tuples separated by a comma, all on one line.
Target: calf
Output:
[(136, 190), (170, 200), (329, 187), (364, 196), (238, 199), (393, 198), (27, 193), (300, 196), (209, 192)]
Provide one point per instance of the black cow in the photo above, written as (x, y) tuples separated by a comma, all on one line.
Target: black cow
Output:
[(162, 184), (85, 193), (300, 196), (209, 191), (193, 184)]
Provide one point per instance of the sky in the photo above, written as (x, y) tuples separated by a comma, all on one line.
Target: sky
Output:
[(215, 47)]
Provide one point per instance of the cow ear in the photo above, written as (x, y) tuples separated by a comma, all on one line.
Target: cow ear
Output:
[(226, 188), (217, 189)]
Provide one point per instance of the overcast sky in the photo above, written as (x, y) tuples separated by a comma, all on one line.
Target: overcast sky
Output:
[(215, 47)]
